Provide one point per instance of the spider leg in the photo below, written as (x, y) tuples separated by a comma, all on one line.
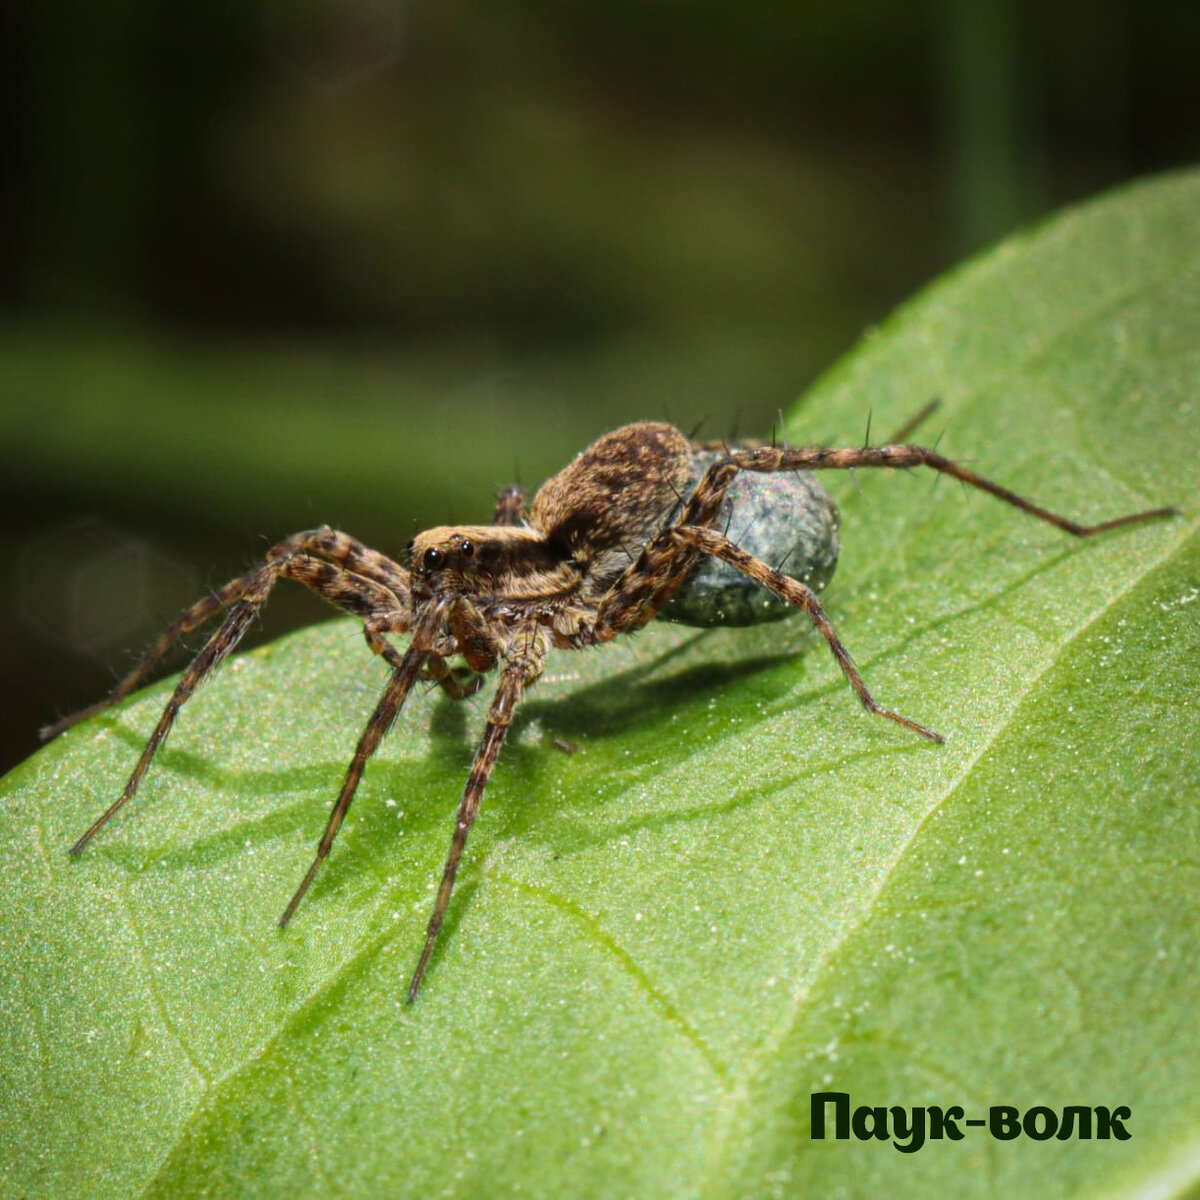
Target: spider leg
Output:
[(520, 671), (710, 542), (217, 647), (380, 722), (344, 551), (635, 599), (510, 506), (919, 417), (904, 457), (356, 594), (646, 585)]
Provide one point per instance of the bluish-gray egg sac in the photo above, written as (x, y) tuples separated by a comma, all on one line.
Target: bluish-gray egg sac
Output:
[(786, 519)]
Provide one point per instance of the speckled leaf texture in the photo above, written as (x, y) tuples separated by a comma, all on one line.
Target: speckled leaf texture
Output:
[(742, 889)]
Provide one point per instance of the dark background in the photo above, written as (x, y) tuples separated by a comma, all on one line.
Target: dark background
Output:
[(264, 266)]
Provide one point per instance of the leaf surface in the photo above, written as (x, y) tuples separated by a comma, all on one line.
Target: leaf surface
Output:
[(742, 889)]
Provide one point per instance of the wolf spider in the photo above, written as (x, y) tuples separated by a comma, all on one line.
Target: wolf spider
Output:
[(604, 546)]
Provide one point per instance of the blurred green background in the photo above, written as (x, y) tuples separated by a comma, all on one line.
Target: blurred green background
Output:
[(270, 265)]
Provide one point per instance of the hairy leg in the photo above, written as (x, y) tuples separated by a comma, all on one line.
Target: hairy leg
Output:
[(905, 457), (918, 418), (520, 671), (386, 711), (379, 579), (642, 590), (805, 599), (364, 597)]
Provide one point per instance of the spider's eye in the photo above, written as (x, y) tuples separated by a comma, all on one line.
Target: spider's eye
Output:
[(467, 548), (433, 559)]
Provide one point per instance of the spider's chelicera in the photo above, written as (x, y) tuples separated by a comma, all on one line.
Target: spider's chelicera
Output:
[(632, 529)]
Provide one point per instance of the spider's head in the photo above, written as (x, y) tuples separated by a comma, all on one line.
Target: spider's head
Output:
[(443, 550), (488, 560)]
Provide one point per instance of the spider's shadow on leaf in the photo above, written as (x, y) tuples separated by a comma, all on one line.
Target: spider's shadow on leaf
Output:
[(642, 697)]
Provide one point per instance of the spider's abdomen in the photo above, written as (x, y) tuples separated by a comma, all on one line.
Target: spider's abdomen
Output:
[(604, 507), (786, 519)]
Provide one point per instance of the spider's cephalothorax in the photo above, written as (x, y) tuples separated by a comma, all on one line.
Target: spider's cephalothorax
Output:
[(607, 545)]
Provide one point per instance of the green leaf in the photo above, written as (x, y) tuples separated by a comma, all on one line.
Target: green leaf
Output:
[(742, 889)]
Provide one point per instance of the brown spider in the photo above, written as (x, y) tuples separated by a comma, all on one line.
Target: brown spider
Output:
[(607, 542)]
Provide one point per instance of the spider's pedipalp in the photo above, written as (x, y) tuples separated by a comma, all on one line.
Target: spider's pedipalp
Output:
[(458, 683)]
